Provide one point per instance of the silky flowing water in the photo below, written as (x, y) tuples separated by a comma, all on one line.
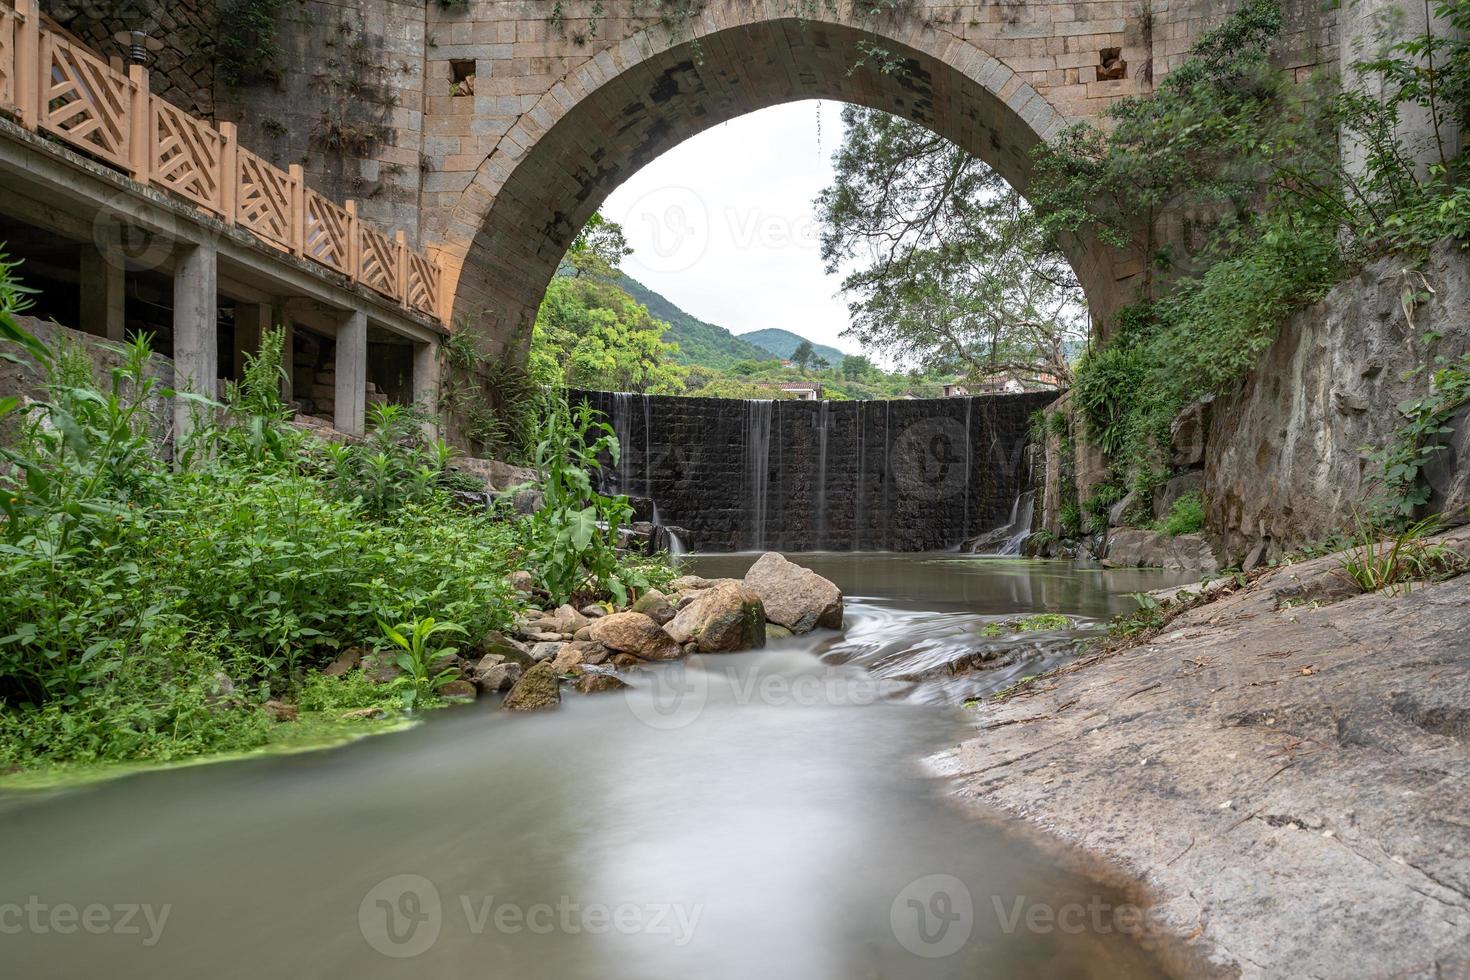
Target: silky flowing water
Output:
[(760, 815)]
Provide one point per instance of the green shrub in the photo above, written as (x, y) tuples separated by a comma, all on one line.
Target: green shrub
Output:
[(1186, 516), (573, 537), (353, 689), (134, 595)]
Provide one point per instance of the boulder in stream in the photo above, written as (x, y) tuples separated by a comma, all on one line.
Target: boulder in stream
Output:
[(655, 605), (795, 597), (493, 676), (635, 633), (537, 690), (723, 618)]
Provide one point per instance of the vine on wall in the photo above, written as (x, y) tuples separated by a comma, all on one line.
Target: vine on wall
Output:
[(249, 50)]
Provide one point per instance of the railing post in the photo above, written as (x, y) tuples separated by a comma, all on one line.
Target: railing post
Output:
[(441, 292), (401, 287), (354, 243), (298, 210), (140, 130), (229, 175), (28, 61)]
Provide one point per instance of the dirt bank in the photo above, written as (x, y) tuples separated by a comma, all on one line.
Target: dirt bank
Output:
[(1285, 769)]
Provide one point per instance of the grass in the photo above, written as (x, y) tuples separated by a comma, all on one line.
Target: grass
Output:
[(1036, 623), (1376, 561), (313, 730)]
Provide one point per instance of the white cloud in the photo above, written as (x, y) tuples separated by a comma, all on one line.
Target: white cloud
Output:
[(724, 225)]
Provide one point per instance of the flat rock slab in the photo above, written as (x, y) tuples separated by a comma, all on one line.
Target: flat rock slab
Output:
[(1292, 783)]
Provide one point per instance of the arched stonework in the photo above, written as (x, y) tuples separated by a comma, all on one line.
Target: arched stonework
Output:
[(1014, 73)]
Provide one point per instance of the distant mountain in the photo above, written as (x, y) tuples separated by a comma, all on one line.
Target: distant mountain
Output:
[(783, 344), (699, 343)]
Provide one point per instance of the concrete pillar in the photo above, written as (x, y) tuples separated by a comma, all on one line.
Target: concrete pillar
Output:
[(351, 368), (252, 320), (196, 333), (426, 382), (288, 357), (1368, 30), (104, 301)]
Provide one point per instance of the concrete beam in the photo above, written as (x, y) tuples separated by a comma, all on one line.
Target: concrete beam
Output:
[(104, 300), (351, 369), (252, 320), (196, 331), (54, 188), (426, 382)]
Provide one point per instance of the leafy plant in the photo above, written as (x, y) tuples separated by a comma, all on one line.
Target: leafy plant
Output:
[(1069, 519), (1148, 616), (1401, 464), (1186, 516), (417, 657), (1377, 561), (573, 540)]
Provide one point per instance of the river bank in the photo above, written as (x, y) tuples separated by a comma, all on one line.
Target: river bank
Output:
[(772, 793), (1280, 767)]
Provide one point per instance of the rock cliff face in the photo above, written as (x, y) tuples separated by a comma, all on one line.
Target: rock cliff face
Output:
[(1284, 463)]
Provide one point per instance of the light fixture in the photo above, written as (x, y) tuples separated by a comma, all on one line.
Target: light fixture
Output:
[(139, 43)]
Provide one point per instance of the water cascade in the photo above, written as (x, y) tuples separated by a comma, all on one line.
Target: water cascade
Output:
[(911, 475), (1009, 537), (757, 467), (823, 415)]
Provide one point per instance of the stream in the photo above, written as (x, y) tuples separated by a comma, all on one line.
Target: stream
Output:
[(760, 815)]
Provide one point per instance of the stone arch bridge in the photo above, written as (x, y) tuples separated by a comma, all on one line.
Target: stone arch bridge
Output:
[(487, 132), (558, 115)]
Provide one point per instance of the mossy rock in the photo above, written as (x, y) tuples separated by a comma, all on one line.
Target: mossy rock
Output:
[(539, 689)]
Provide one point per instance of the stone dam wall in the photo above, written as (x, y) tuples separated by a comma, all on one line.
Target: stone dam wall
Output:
[(914, 475)]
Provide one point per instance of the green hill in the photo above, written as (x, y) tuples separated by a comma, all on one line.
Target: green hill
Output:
[(699, 343), (783, 344)]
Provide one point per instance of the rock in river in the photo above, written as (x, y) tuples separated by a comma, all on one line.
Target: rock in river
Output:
[(795, 597), (635, 633), (721, 619), (537, 690)]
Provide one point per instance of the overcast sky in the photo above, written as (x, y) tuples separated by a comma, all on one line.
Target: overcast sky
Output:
[(723, 224)]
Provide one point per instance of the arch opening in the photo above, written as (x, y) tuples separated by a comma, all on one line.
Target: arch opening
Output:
[(553, 171)]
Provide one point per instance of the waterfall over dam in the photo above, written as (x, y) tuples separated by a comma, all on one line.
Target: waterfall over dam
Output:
[(908, 475)]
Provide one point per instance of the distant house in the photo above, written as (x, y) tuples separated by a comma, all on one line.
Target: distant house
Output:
[(1009, 384), (807, 391), (955, 390)]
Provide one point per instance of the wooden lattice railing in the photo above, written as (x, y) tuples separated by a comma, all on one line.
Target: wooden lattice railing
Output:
[(53, 84)]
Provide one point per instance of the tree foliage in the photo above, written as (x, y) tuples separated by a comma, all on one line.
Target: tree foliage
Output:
[(591, 334), (953, 272), (1254, 156)]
